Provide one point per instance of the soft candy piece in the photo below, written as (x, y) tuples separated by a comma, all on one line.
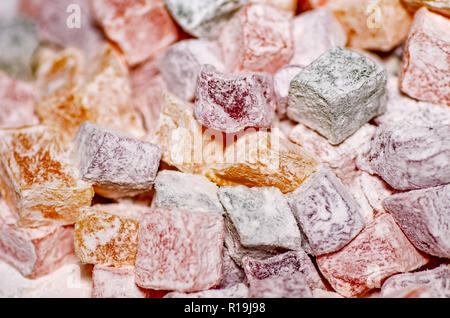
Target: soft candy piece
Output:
[(327, 214), (258, 39), (140, 28), (286, 5), (115, 282), (373, 25), (316, 32), (18, 41), (263, 159), (106, 236), (290, 274), (436, 280), (16, 103), (200, 18), (100, 92), (37, 179), (232, 274), (281, 82), (424, 216), (340, 158), (235, 291), (181, 64), (179, 250), (379, 251), (261, 216), (64, 22), (230, 103), (426, 59), (374, 189), (116, 164), (441, 6), (408, 156), (186, 191), (338, 93), (34, 252)]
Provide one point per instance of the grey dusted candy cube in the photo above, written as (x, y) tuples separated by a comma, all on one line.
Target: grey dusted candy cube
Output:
[(261, 217), (437, 280), (203, 18), (328, 215), (174, 189), (18, 41), (116, 164), (424, 217), (338, 93)]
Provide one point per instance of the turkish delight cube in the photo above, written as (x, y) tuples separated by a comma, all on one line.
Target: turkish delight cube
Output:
[(115, 282)]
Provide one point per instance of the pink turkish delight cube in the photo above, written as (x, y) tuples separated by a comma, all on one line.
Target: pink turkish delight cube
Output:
[(258, 38), (281, 82), (179, 250), (378, 252), (425, 72), (230, 103)]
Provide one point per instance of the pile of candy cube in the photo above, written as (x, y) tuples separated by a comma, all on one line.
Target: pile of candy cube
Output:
[(225, 148)]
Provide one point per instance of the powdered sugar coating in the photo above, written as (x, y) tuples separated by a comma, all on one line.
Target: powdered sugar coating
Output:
[(375, 190), (203, 19), (102, 237), (261, 217), (316, 32), (409, 157), (379, 251), (338, 93), (37, 178), (232, 274), (424, 216), (230, 103), (186, 191), (426, 59), (327, 214), (118, 165), (436, 280), (441, 6), (179, 250), (281, 82), (257, 39), (115, 282), (141, 28), (16, 103), (181, 64)]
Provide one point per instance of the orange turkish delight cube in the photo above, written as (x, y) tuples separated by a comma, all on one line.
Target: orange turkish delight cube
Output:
[(37, 178)]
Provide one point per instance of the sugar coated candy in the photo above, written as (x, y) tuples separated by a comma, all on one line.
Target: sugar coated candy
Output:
[(99, 91), (107, 236), (16, 103), (338, 93), (179, 250), (63, 22), (230, 103), (372, 24), (261, 216), (258, 39), (235, 291), (436, 280), (203, 19), (18, 41), (186, 191), (232, 274), (115, 282), (264, 159), (425, 71), (424, 216), (408, 157), (291, 274), (37, 179), (281, 82), (327, 214), (340, 158), (440, 6), (140, 28), (116, 164), (34, 252), (316, 32), (286, 5), (181, 62), (378, 252)]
